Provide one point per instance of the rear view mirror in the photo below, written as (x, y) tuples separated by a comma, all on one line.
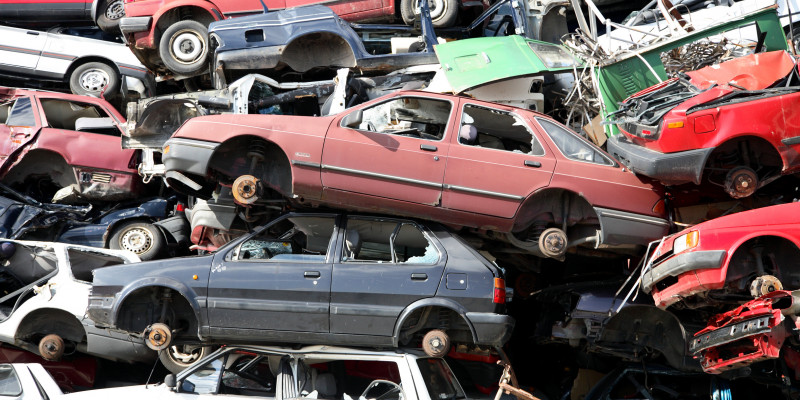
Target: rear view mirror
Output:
[(353, 120)]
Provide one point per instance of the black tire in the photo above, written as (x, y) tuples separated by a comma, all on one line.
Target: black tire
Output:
[(184, 47), (441, 18), (179, 357), (142, 238), (93, 78), (109, 13)]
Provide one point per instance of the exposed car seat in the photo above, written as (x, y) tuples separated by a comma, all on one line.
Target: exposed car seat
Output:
[(352, 243)]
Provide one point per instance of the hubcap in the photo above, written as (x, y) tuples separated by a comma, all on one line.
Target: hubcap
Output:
[(137, 240), (186, 46), (436, 8), (94, 80), (115, 10), (185, 354)]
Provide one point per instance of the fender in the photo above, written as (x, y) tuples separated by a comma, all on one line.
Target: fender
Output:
[(210, 8), (159, 281), (431, 302), (752, 235)]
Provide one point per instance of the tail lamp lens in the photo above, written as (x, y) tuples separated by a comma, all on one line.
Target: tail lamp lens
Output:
[(499, 291)]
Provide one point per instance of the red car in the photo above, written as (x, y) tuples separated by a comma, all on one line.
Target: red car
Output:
[(727, 259), (51, 141), (173, 33), (734, 125), (512, 173)]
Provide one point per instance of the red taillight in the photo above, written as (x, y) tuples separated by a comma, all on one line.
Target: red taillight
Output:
[(499, 291), (180, 207)]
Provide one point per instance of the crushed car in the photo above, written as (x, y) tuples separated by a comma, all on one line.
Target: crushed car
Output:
[(45, 290), (728, 124), (727, 259), (430, 156), (65, 148), (306, 278), (89, 67)]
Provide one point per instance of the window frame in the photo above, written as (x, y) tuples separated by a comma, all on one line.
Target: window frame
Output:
[(425, 232), (613, 162), (369, 106)]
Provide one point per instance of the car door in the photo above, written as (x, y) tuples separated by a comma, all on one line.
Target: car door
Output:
[(20, 126), (278, 278), (496, 161), (20, 49), (384, 265), (391, 149)]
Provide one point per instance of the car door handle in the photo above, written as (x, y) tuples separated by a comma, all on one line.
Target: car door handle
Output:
[(33, 33), (534, 164), (419, 277), (311, 274), (428, 147)]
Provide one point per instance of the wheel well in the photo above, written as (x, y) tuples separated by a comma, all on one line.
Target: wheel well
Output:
[(424, 319), (27, 175), (143, 307), (46, 321), (771, 255), (174, 15), (550, 206), (750, 151), (305, 52), (232, 159), (77, 63)]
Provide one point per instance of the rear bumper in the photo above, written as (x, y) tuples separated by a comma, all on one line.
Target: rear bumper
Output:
[(128, 25), (682, 263), (116, 346), (490, 328), (669, 168)]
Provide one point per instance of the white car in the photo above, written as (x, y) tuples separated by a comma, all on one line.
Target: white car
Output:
[(89, 66), (313, 372), (44, 291)]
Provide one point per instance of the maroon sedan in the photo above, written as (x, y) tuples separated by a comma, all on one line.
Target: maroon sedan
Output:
[(511, 173)]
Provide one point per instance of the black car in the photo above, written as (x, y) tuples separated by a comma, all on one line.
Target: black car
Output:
[(315, 279)]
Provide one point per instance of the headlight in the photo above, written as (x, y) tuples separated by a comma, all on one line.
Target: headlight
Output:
[(685, 242)]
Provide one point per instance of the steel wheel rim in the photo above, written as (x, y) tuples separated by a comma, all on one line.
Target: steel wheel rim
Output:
[(186, 46), (138, 240), (115, 10), (94, 80)]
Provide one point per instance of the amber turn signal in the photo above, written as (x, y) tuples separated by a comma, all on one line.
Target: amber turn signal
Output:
[(194, 277), (678, 124)]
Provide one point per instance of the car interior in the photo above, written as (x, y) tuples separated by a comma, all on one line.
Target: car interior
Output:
[(408, 116), (496, 129), (75, 116)]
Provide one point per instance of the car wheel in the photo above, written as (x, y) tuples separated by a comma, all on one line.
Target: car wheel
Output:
[(443, 12), (51, 347), (108, 15), (184, 47), (94, 78), (142, 238), (179, 357), (436, 343)]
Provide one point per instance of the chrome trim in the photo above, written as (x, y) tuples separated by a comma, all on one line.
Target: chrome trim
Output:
[(305, 164), (383, 176), (192, 143), (486, 192)]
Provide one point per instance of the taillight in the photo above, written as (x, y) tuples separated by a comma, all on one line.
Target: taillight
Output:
[(660, 207), (499, 291), (180, 207)]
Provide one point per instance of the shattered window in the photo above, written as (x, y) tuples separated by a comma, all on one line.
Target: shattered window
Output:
[(21, 113), (439, 379), (368, 240), (496, 129), (408, 116), (572, 146), (75, 116), (295, 239)]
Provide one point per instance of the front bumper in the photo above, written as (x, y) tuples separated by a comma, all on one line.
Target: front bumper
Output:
[(128, 25), (682, 263), (669, 168), (187, 156), (490, 328)]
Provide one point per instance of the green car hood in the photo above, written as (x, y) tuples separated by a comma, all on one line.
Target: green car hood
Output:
[(469, 63)]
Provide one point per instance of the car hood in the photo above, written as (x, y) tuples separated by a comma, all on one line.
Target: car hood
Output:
[(470, 63)]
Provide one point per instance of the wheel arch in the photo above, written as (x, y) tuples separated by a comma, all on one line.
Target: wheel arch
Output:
[(302, 50), (60, 322), (202, 11), (154, 283), (743, 241), (280, 175), (763, 144), (543, 201), (431, 302), (32, 155)]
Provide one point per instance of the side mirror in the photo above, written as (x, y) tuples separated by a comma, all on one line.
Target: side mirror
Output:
[(353, 120), (169, 381)]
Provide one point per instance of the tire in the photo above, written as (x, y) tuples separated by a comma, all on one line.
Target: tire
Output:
[(142, 238), (443, 12), (184, 47), (436, 343), (94, 78), (108, 15), (175, 359)]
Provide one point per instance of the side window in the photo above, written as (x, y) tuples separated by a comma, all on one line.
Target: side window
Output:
[(76, 116), (294, 239), (387, 242), (349, 378), (21, 113), (249, 374), (496, 129), (408, 116), (205, 379), (439, 379), (572, 146)]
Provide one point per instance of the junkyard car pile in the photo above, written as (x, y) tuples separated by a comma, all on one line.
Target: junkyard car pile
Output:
[(284, 201)]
